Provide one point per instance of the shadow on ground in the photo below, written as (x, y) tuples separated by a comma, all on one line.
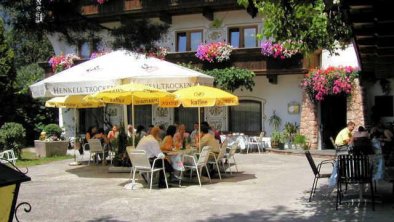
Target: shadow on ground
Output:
[(322, 208), (95, 171)]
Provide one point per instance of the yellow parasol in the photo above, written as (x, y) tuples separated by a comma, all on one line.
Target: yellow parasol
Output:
[(75, 102), (130, 94), (199, 96)]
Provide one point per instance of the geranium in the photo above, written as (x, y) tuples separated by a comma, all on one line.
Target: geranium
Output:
[(62, 62), (214, 52), (331, 81), (280, 50)]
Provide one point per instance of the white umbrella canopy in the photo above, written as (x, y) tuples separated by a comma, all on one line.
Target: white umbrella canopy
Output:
[(115, 68)]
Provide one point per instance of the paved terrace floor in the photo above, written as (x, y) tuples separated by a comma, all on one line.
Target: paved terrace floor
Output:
[(269, 187)]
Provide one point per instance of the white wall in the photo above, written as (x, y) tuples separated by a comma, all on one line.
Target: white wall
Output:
[(199, 22), (346, 57), (277, 97)]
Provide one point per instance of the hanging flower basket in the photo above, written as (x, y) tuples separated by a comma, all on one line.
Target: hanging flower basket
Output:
[(331, 81), (214, 52), (62, 62)]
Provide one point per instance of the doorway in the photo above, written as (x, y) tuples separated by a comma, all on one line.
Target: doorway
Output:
[(332, 118)]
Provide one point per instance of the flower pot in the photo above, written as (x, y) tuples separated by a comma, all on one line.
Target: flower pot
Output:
[(50, 148), (274, 144)]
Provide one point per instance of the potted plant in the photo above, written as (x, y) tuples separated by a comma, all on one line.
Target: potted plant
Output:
[(51, 144), (275, 139), (301, 142), (275, 121), (289, 132)]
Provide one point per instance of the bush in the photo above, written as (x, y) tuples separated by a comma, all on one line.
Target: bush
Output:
[(53, 130), (12, 136)]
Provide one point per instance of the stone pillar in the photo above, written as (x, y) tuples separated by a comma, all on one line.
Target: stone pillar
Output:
[(356, 106), (309, 121)]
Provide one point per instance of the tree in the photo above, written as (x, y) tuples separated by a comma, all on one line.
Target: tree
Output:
[(319, 24), (7, 78), (58, 16)]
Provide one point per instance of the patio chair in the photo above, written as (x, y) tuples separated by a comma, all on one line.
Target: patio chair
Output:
[(140, 162), (254, 141), (231, 156), (218, 160), (198, 164), (95, 148), (354, 169), (8, 156), (316, 171), (339, 150)]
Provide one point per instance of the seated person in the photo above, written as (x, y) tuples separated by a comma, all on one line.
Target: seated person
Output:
[(344, 137), (168, 142), (113, 134), (181, 137), (208, 139), (150, 145), (361, 142), (101, 136), (193, 135)]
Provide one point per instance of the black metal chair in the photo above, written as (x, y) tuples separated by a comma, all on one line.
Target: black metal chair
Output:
[(316, 171), (354, 169)]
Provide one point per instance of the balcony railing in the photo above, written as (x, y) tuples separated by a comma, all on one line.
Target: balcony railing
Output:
[(115, 7), (248, 58)]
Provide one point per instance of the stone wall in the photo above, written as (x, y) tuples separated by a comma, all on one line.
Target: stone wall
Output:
[(356, 112), (356, 105), (309, 121)]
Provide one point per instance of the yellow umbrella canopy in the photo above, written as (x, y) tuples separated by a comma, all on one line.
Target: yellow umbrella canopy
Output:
[(73, 101), (199, 96), (132, 93)]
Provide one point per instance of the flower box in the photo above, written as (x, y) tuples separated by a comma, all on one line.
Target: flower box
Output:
[(50, 148), (295, 62)]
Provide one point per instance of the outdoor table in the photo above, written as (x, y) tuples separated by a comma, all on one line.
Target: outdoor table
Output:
[(241, 139)]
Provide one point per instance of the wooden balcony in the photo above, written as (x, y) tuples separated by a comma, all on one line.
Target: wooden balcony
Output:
[(250, 58), (111, 10)]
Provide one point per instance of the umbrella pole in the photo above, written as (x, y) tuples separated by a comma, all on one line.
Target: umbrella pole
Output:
[(199, 130), (75, 163), (132, 118)]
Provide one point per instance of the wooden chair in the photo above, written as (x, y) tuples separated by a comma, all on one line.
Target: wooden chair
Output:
[(354, 169), (316, 171)]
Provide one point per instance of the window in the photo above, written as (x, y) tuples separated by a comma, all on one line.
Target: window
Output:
[(246, 117), (187, 116), (188, 41), (243, 37), (142, 115)]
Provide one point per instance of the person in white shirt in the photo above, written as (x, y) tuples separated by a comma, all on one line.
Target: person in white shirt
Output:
[(150, 144)]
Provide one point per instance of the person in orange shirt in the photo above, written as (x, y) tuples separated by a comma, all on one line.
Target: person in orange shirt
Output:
[(168, 142)]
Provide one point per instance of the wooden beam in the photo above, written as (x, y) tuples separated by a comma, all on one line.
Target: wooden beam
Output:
[(165, 17), (208, 13)]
